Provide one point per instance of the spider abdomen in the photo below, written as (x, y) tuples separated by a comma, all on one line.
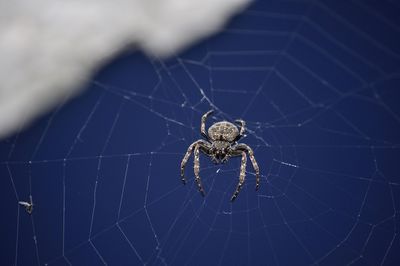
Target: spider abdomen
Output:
[(224, 131)]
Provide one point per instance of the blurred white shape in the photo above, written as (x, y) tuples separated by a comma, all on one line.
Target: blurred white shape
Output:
[(49, 48)]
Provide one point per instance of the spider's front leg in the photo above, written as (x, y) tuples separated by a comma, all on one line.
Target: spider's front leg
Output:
[(241, 176), (197, 169), (246, 148), (200, 145), (185, 159), (255, 166)]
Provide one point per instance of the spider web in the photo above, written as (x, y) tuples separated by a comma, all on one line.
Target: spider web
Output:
[(316, 82)]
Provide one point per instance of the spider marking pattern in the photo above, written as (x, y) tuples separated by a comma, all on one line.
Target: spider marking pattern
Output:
[(221, 144)]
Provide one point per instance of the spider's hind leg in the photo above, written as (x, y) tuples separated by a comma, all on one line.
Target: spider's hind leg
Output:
[(242, 129), (203, 123)]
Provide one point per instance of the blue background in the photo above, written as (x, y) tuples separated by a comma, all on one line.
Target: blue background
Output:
[(318, 85)]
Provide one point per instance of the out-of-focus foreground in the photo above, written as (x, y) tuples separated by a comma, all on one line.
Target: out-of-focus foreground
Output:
[(49, 48)]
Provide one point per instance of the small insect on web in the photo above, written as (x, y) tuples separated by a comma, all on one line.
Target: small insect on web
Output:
[(220, 145), (28, 205)]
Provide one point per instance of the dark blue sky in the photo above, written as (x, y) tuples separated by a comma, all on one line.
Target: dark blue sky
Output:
[(317, 84)]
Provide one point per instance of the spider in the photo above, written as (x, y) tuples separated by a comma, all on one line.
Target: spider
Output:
[(220, 145)]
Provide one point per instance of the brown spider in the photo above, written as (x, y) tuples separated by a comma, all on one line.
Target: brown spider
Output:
[(221, 144)]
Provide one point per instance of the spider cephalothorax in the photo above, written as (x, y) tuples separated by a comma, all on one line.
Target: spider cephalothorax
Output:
[(220, 144)]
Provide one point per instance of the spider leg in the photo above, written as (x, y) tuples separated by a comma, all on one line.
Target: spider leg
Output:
[(244, 147), (203, 123), (203, 145), (197, 169), (184, 161), (242, 124), (241, 176)]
